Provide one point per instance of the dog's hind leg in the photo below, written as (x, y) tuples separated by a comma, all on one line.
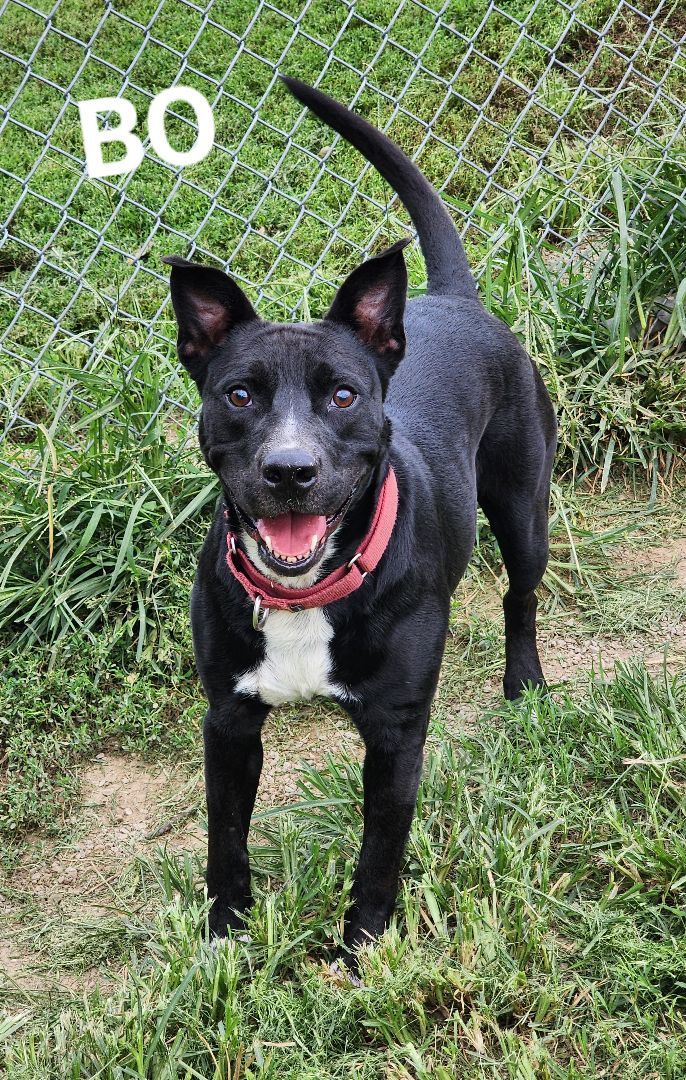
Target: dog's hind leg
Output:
[(513, 486), (522, 535)]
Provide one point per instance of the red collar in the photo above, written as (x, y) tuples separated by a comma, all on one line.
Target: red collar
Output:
[(268, 594)]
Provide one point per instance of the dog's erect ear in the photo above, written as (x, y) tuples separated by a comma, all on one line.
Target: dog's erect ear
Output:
[(207, 305), (371, 302)]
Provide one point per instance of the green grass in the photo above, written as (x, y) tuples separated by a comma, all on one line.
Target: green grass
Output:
[(542, 918), (50, 720), (617, 377), (579, 195), (102, 522)]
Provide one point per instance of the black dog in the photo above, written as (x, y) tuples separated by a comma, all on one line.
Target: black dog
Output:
[(309, 428)]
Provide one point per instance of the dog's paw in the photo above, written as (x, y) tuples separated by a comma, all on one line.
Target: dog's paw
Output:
[(217, 942), (345, 973), (515, 685), (224, 920)]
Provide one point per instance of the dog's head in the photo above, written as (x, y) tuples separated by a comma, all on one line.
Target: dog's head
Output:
[(292, 414)]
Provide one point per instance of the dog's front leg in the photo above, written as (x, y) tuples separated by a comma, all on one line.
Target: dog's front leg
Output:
[(233, 762), (392, 716), (391, 777)]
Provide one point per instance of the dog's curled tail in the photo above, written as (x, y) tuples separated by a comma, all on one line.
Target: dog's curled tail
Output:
[(446, 264)]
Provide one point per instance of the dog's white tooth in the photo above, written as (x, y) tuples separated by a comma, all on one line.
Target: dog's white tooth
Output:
[(314, 542), (291, 558), (268, 543)]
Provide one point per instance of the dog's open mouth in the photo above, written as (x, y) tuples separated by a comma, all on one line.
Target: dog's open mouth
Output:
[(293, 543), (292, 538)]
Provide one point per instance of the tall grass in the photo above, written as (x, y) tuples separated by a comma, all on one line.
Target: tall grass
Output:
[(601, 305), (92, 530)]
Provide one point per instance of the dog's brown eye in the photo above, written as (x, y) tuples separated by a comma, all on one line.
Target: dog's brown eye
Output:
[(239, 397), (343, 398)]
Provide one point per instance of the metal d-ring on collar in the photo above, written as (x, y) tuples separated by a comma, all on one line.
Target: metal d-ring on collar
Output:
[(354, 560), (259, 614)]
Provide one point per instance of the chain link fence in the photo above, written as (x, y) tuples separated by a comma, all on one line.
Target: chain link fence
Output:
[(497, 104)]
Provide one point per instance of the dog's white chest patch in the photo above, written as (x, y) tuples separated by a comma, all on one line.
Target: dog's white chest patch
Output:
[(297, 661)]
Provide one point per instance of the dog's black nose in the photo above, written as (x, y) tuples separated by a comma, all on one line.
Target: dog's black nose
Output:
[(290, 469)]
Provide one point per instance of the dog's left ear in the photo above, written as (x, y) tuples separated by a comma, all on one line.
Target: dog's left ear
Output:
[(371, 302)]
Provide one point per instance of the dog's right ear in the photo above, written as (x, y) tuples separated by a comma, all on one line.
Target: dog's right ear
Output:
[(207, 305)]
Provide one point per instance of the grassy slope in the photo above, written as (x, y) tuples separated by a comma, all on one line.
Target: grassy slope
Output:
[(255, 180), (544, 934)]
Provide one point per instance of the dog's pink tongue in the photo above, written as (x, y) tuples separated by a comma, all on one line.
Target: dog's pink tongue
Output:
[(292, 534)]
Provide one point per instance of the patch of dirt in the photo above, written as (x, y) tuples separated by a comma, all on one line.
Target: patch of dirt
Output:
[(128, 808), (12, 958), (121, 811), (128, 802), (17, 973), (125, 813), (563, 657), (310, 739), (671, 554)]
